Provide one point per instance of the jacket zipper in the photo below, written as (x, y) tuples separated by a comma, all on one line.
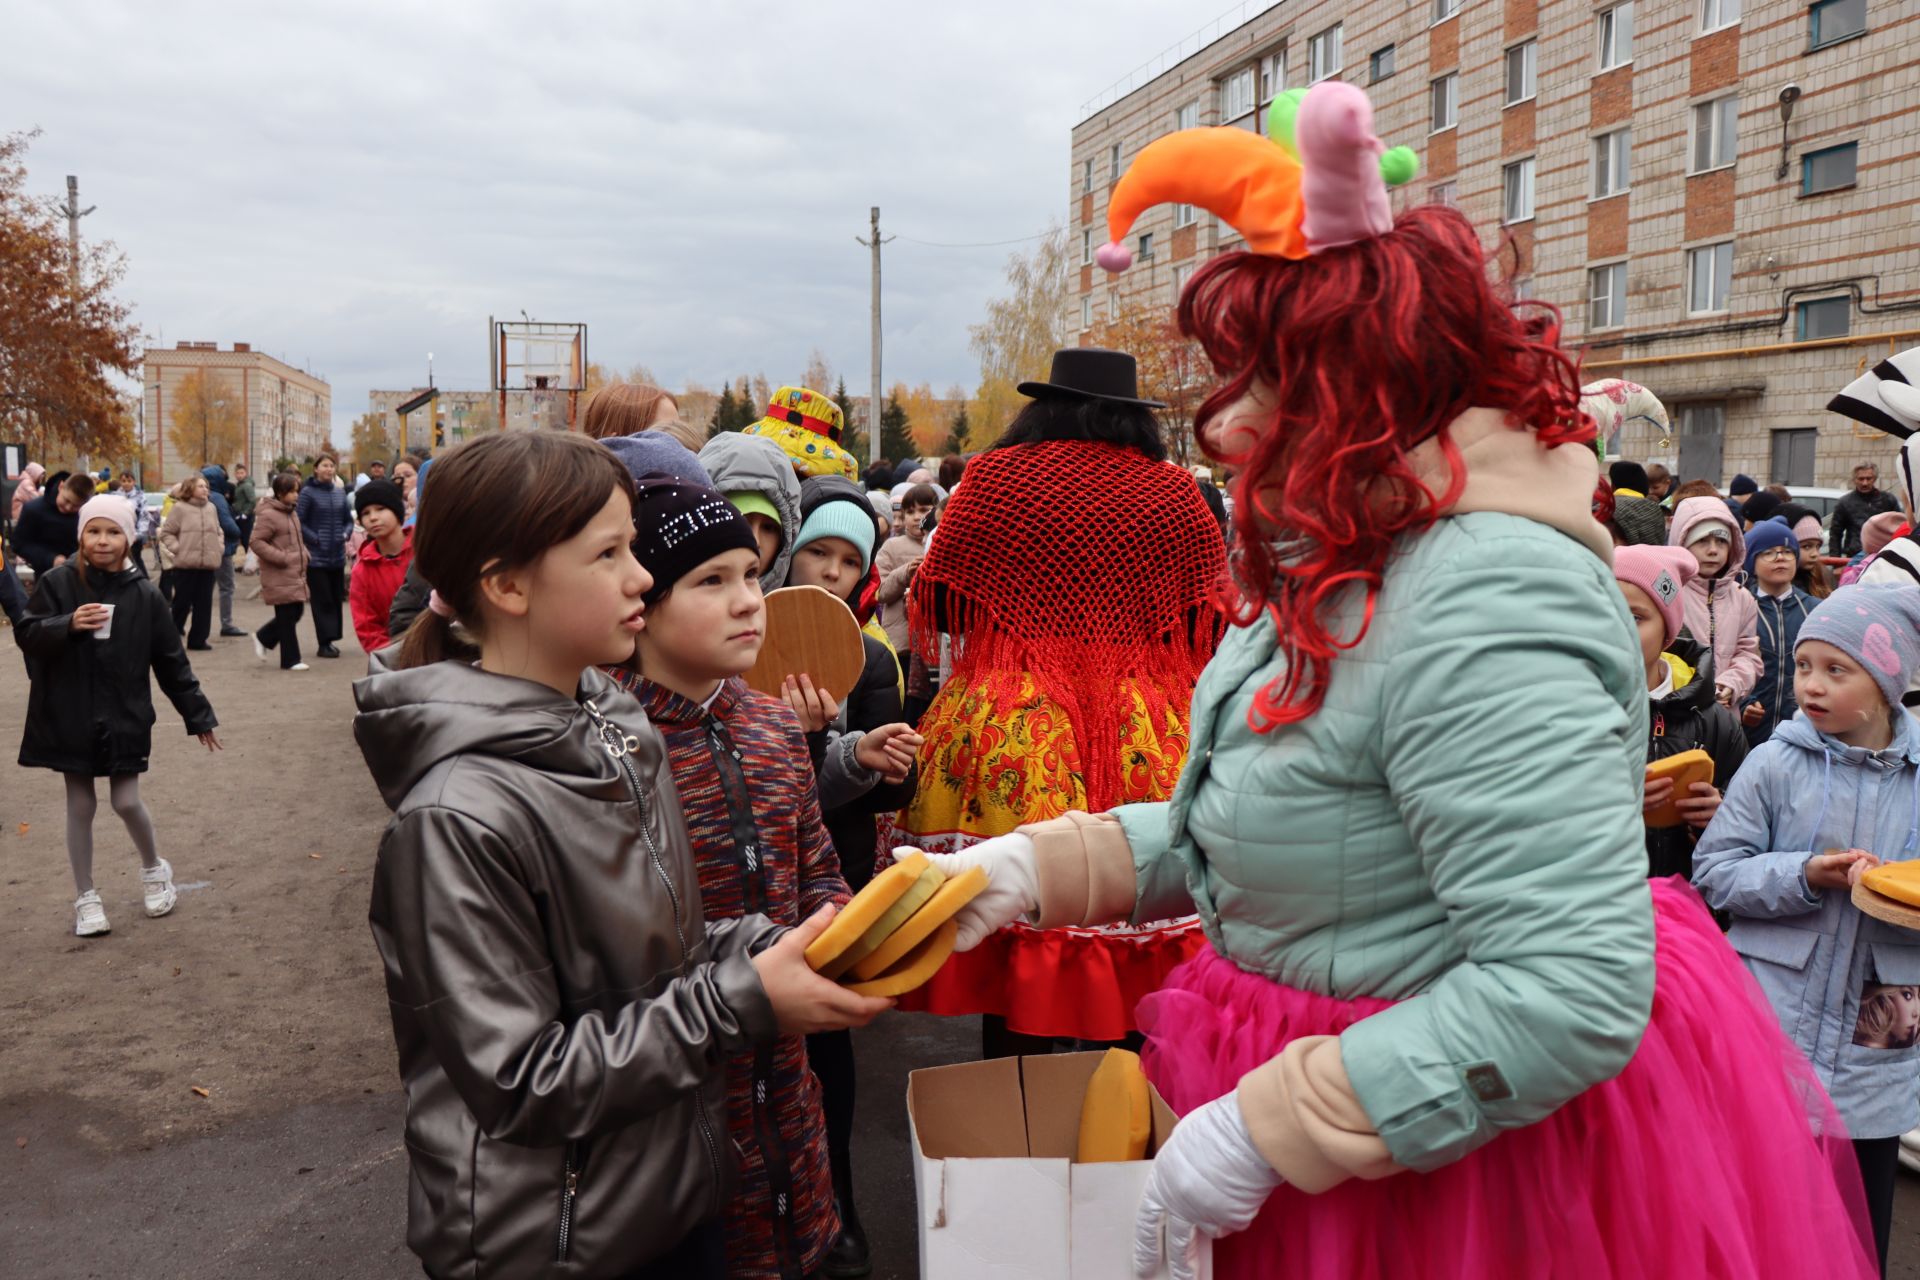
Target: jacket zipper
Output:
[(619, 746), (570, 1187)]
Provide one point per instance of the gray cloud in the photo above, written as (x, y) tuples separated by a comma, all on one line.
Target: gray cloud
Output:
[(354, 184)]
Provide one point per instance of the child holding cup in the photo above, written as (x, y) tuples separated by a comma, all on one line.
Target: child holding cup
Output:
[(94, 629)]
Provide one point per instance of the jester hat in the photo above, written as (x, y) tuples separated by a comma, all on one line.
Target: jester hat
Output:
[(807, 425), (1318, 180), (1887, 398), (1614, 402)]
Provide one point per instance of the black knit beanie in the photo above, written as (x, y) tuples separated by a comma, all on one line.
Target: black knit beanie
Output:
[(677, 527), (381, 493)]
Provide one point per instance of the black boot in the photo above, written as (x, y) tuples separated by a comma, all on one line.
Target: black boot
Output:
[(849, 1258)]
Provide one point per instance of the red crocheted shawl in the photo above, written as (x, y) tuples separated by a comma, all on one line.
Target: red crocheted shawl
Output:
[(1082, 565)]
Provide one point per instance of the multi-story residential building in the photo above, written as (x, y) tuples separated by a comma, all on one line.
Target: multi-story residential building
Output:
[(287, 411), (1716, 193), (460, 414)]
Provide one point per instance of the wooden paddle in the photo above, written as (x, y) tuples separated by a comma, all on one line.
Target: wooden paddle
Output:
[(810, 632)]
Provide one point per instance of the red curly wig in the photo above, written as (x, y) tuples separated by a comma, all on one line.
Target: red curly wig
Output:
[(1368, 351)]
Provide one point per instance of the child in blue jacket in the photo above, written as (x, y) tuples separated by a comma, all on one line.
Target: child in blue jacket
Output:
[(1835, 791), (1773, 564)]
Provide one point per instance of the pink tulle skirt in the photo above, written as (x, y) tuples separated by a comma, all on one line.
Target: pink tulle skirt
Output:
[(1715, 1155)]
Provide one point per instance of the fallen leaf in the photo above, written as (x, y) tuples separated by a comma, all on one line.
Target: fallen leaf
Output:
[(314, 856), (176, 971), (20, 1143), (305, 1169), (25, 827), (204, 1093)]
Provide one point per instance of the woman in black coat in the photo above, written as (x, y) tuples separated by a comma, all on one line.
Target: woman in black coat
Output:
[(94, 629)]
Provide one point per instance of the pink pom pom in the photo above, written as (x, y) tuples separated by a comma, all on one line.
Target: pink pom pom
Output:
[(1113, 257)]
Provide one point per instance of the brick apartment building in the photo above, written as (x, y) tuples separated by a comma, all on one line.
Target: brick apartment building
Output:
[(287, 410), (1741, 268)]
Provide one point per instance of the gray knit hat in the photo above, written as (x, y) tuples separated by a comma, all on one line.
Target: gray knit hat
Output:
[(1641, 521), (1878, 626)]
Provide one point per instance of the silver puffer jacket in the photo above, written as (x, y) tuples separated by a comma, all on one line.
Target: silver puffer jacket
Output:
[(561, 1011)]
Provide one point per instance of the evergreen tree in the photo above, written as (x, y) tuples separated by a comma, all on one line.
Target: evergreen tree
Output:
[(726, 414), (853, 437), (896, 441), (959, 433)]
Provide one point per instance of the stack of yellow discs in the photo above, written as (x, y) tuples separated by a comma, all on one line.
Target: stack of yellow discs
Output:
[(898, 931)]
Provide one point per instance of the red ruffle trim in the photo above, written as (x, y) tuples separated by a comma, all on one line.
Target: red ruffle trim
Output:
[(1078, 983)]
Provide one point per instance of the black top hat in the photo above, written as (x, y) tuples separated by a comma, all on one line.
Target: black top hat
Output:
[(1091, 373)]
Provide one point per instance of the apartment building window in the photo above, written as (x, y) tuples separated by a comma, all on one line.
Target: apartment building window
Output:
[(1185, 215), (1607, 296), (1380, 65), (1323, 54), (1521, 72), (1516, 187), (1113, 163), (1522, 288), (1715, 14), (1086, 246), (1709, 277), (1793, 456), (1187, 117), (1616, 35), (1444, 9), (1236, 99), (1703, 428), (1612, 163), (1823, 318), (1445, 93), (1446, 193), (1086, 176), (1829, 169), (1145, 253), (1716, 134), (1181, 274), (1086, 313), (1831, 21), (1273, 75)]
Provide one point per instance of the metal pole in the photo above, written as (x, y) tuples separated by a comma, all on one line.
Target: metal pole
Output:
[(873, 399)]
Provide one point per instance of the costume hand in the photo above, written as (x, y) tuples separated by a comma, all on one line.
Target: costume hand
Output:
[(1208, 1181), (1753, 714), (889, 750), (88, 617), (804, 1002), (1833, 869), (1697, 810), (815, 707), (1013, 885)]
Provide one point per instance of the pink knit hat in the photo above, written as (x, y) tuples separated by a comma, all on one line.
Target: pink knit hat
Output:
[(1661, 572), (1809, 530), (1878, 531)]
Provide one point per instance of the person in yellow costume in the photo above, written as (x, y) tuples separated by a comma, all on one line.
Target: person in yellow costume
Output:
[(807, 426)]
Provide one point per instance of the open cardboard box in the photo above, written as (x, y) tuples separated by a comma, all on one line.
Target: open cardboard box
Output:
[(997, 1190)]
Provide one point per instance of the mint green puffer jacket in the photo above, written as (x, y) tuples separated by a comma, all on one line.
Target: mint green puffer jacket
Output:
[(1458, 829)]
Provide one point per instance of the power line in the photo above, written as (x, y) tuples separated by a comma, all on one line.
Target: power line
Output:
[(976, 244)]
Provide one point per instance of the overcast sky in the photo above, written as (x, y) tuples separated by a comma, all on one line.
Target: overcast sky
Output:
[(351, 185)]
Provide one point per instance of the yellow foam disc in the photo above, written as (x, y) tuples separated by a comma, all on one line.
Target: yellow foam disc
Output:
[(918, 965), (896, 915), (1897, 880), (942, 907), (886, 888)]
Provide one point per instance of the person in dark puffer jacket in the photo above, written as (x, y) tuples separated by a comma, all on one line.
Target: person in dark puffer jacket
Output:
[(326, 522), (741, 768), (1773, 568), (1685, 713)]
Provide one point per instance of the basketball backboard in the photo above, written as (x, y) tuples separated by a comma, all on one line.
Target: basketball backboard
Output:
[(537, 355)]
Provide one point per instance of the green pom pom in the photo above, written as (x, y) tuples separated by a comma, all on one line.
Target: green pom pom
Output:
[(1280, 115), (1398, 165)]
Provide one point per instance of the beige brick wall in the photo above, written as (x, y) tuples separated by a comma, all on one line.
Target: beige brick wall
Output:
[(261, 383), (1786, 246)]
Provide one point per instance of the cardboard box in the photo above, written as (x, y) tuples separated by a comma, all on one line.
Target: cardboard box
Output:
[(994, 1180)]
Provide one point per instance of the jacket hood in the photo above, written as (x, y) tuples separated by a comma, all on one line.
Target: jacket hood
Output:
[(412, 720), (214, 472), (1690, 513), (1697, 694), (1799, 732), (1507, 470), (752, 464), (371, 553)]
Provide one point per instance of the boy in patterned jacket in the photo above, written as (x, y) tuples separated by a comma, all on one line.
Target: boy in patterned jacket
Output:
[(746, 784)]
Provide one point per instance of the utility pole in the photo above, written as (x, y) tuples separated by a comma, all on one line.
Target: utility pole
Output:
[(873, 401), (74, 213)]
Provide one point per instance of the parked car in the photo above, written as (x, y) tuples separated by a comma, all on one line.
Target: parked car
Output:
[(1819, 501)]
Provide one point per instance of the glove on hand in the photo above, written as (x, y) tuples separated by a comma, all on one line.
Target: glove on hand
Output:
[(1013, 885), (1208, 1181)]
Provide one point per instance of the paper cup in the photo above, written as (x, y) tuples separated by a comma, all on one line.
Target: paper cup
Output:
[(106, 628)]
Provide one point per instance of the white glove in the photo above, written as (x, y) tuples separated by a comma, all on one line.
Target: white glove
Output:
[(1013, 885), (1208, 1181)]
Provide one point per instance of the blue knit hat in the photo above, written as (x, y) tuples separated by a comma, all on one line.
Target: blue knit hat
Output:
[(655, 453), (1876, 625), (1767, 535), (1743, 484), (852, 521)]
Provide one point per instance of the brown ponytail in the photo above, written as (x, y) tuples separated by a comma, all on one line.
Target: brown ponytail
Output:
[(498, 502)]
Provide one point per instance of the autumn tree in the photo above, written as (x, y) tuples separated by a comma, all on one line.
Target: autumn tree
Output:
[(1172, 368), (819, 375), (896, 439), (60, 346), (371, 439), (207, 423), (696, 403), (1023, 328)]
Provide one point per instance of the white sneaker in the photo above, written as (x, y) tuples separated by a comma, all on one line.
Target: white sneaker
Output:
[(158, 883), (89, 917), (299, 666), (259, 650)]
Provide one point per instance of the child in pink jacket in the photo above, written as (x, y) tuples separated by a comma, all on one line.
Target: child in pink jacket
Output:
[(1720, 613)]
